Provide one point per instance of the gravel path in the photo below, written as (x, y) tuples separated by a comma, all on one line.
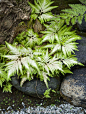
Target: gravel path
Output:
[(61, 109)]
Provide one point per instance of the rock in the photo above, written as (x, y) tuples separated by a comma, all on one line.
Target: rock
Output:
[(81, 54), (11, 14), (35, 87), (73, 88)]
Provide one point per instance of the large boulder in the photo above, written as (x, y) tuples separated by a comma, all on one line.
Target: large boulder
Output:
[(81, 54), (35, 87), (73, 88)]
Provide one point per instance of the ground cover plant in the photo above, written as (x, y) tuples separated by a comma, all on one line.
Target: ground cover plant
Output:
[(42, 57)]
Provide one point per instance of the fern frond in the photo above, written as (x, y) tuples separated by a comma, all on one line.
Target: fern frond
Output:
[(22, 58), (13, 49), (34, 8), (3, 73), (24, 78), (76, 13), (7, 87), (31, 39), (62, 40), (83, 1), (69, 48), (1, 80), (45, 78), (13, 67), (45, 17), (41, 10), (56, 48), (71, 61), (66, 70)]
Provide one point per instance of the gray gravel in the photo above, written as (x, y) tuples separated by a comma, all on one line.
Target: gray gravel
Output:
[(61, 109)]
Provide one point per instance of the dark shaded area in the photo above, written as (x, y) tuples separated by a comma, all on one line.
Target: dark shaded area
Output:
[(16, 98)]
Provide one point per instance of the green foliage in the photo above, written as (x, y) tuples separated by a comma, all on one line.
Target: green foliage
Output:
[(75, 13), (42, 57), (7, 87), (83, 1), (47, 92), (28, 39), (41, 10)]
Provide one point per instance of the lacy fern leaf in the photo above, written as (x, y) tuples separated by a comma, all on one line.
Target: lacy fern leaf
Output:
[(28, 39), (76, 13), (83, 1), (61, 39), (19, 60), (31, 39)]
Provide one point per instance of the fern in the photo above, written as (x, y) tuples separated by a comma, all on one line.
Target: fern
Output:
[(20, 58), (76, 13), (83, 1), (61, 39), (7, 87), (28, 39), (30, 56), (41, 10)]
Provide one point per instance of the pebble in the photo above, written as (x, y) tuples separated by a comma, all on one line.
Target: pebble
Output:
[(61, 109)]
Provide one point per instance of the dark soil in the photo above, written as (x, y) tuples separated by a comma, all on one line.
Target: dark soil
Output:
[(16, 98)]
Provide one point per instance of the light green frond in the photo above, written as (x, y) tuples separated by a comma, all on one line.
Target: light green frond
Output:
[(23, 80), (20, 66), (34, 8), (80, 19), (24, 62), (49, 37), (46, 57), (46, 69), (23, 51), (56, 48), (37, 5), (33, 64), (3, 73), (45, 78), (34, 16), (73, 20), (11, 56), (1, 80), (7, 87), (41, 10), (70, 62), (76, 13), (48, 4), (66, 70), (83, 1), (31, 39), (69, 48), (12, 67), (47, 92), (72, 38), (55, 65), (45, 17), (13, 49)]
